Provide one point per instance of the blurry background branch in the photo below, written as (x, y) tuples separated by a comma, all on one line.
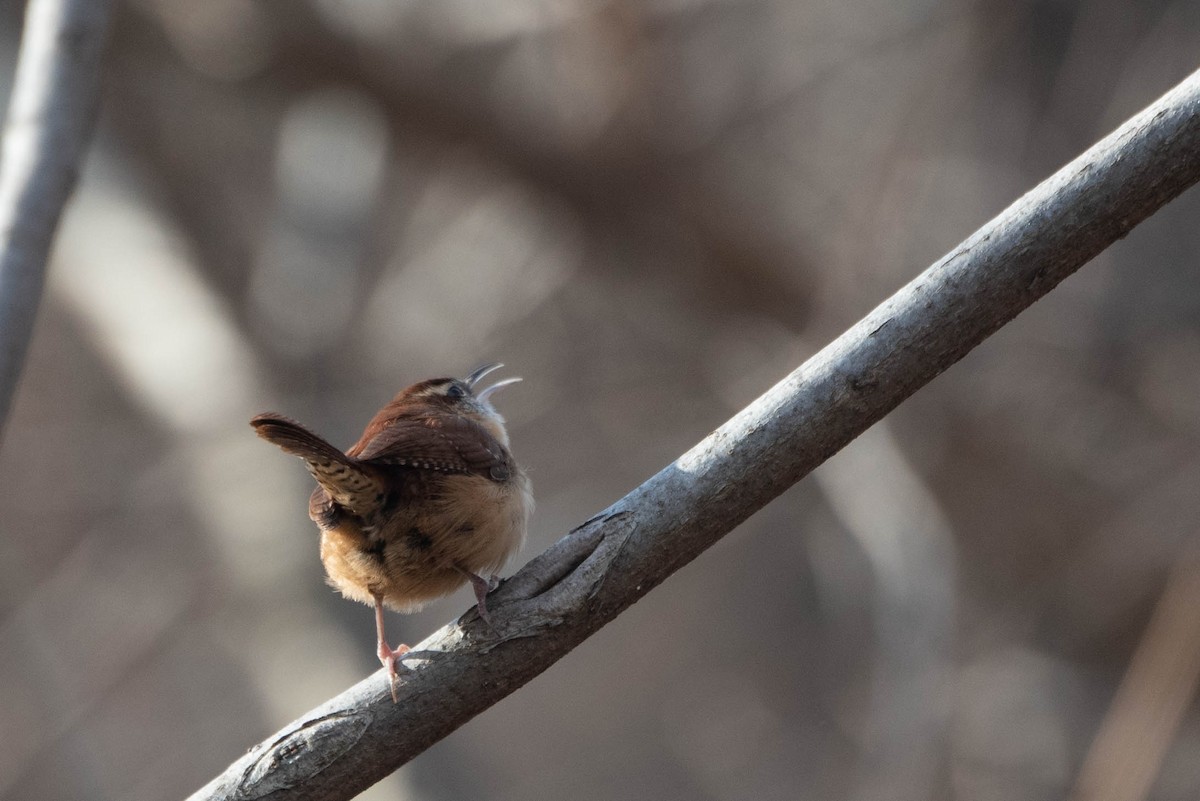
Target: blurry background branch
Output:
[(1153, 697), (50, 119), (612, 560)]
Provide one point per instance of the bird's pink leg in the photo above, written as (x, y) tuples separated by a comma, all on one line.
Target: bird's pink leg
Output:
[(387, 655)]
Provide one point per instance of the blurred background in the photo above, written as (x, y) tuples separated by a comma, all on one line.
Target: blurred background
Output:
[(652, 211)]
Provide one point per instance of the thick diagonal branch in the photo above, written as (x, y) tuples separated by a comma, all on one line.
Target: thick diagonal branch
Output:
[(612, 560), (50, 118)]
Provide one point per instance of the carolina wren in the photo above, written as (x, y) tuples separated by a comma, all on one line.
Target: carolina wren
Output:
[(426, 500)]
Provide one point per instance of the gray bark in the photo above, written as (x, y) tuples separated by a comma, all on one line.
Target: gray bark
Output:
[(50, 119), (613, 559)]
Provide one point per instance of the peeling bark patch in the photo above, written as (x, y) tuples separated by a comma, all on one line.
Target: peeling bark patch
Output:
[(302, 753)]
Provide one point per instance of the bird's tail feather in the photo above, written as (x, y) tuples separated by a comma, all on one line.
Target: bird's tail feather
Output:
[(347, 481), (294, 438)]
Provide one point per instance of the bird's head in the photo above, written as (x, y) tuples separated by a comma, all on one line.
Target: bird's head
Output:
[(461, 396)]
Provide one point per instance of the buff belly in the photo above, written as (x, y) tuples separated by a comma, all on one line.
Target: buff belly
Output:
[(474, 524)]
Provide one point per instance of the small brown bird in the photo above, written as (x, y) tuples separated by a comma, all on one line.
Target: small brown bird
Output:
[(426, 500)]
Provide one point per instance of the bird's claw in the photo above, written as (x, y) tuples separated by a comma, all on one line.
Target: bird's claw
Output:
[(390, 658)]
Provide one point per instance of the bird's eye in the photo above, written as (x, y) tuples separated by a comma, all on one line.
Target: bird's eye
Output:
[(455, 391)]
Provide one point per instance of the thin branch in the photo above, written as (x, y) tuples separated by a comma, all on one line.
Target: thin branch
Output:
[(612, 560), (50, 118)]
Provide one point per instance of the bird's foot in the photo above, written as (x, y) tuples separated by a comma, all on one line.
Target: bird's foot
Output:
[(390, 658), (482, 587)]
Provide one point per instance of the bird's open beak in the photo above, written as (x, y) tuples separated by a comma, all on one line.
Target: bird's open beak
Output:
[(479, 372)]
